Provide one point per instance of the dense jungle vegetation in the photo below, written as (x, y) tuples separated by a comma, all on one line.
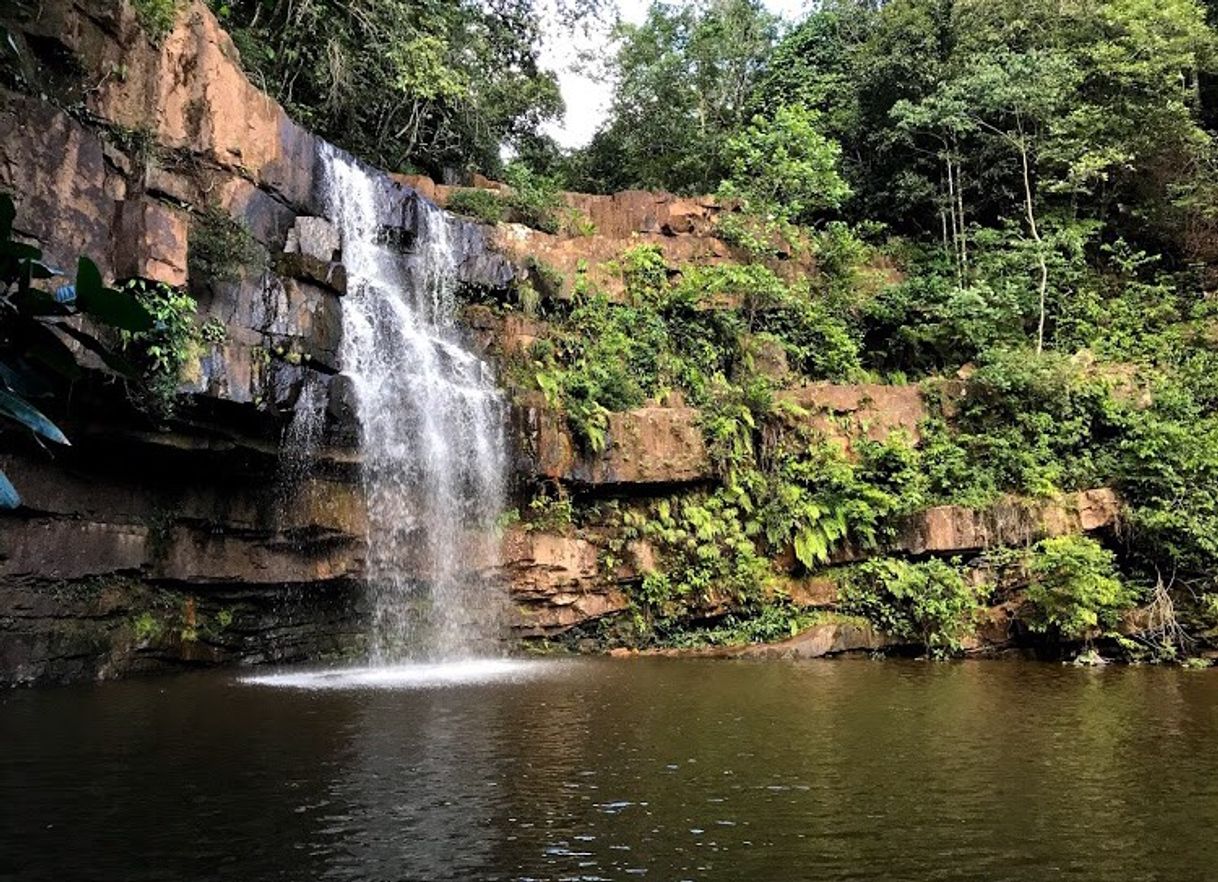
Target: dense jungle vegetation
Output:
[(1017, 194)]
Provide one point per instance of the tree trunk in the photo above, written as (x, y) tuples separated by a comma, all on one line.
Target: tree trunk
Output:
[(1040, 250), (951, 204)]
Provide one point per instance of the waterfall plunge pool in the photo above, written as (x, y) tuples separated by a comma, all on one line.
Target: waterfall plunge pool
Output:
[(607, 769), (408, 675)]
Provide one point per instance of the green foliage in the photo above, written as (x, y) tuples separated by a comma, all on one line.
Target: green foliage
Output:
[(768, 622), (551, 510), (784, 167), (404, 85), (156, 17), (731, 417), (1074, 589), (819, 343), (162, 351), (1168, 467), (706, 544), (608, 363), (220, 248), (645, 272), (576, 223), (930, 602), (534, 199), (483, 205), (146, 627), (1037, 424), (213, 332), (815, 498), (681, 81)]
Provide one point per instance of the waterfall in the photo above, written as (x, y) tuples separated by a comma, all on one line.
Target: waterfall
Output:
[(301, 436), (431, 424)]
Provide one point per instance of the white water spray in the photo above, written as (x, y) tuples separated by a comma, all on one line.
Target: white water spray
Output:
[(431, 425)]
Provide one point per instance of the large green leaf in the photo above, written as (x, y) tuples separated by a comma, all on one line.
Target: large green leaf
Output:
[(43, 345), (118, 309), (33, 302), (8, 493), (19, 250), (20, 377), (31, 417), (112, 359)]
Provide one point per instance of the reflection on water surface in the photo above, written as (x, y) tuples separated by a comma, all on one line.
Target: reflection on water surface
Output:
[(652, 769)]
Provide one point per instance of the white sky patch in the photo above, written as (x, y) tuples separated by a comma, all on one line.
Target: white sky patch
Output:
[(587, 93)]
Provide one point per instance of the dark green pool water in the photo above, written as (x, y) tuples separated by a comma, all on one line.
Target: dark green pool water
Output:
[(644, 769)]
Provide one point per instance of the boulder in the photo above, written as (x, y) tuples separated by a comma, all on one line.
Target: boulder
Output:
[(313, 251)]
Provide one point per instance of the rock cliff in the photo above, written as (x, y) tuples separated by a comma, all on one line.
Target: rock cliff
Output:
[(208, 538), (149, 543)]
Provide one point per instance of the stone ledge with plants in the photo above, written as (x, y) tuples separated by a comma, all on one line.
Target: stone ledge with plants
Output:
[(1048, 501)]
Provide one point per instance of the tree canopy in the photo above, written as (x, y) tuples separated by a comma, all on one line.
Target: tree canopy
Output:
[(425, 84)]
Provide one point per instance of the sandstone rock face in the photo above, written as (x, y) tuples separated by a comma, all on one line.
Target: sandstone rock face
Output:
[(597, 257), (66, 195), (192, 94), (151, 242), (860, 411), (500, 335), (99, 547), (111, 627), (813, 592), (952, 528), (647, 446), (557, 583)]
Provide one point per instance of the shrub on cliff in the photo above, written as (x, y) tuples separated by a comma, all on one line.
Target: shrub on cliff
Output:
[(483, 205), (1074, 589), (930, 603), (534, 199), (220, 248), (784, 168)]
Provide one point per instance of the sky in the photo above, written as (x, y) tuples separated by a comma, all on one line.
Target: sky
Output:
[(587, 98)]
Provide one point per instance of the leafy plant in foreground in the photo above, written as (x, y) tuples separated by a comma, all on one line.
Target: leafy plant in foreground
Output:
[(35, 330)]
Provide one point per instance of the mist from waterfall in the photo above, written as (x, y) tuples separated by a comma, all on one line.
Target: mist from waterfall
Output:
[(431, 425)]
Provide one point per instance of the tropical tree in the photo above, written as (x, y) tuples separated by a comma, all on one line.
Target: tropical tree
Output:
[(682, 84)]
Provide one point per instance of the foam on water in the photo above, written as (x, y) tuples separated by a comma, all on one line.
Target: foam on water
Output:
[(470, 672)]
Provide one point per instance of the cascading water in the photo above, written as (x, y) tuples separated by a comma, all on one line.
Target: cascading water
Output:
[(431, 426), (300, 438)]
